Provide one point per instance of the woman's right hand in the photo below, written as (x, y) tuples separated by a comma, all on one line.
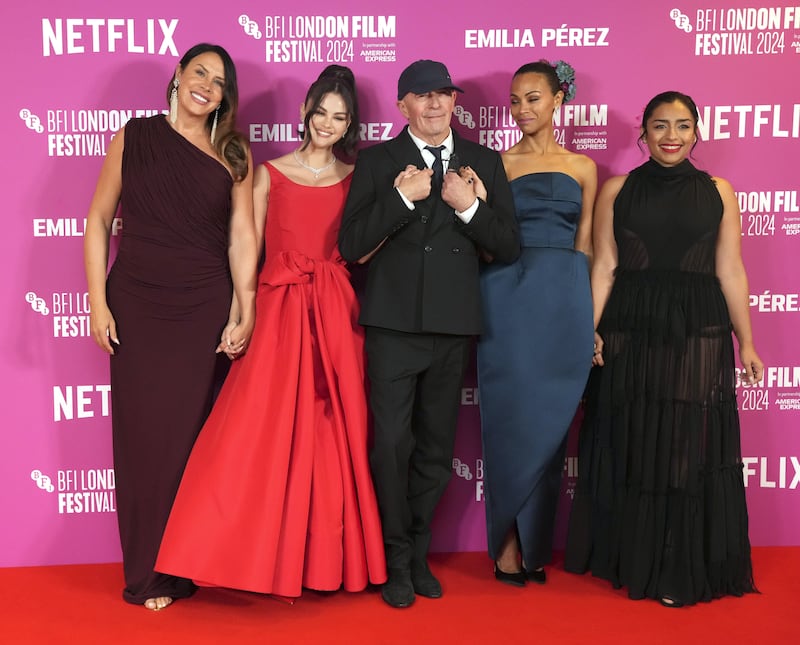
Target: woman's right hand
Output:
[(471, 177), (597, 357), (104, 328)]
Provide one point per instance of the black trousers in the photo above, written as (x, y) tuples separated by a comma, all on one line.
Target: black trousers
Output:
[(415, 394)]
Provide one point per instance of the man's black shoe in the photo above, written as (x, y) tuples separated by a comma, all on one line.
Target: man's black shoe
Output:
[(425, 583), (398, 591)]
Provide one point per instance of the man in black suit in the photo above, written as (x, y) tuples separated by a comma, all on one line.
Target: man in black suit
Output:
[(422, 230)]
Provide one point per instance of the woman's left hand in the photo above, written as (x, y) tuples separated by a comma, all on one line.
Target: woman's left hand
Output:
[(234, 339), (753, 366), (597, 357)]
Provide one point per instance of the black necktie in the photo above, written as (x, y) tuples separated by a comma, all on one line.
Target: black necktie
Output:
[(438, 166)]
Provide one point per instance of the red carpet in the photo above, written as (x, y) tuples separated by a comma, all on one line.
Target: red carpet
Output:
[(82, 604)]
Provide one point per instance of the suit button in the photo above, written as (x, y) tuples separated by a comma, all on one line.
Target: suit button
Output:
[(428, 249), (456, 250), (424, 219)]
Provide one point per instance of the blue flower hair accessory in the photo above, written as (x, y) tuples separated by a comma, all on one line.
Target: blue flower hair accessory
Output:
[(566, 77)]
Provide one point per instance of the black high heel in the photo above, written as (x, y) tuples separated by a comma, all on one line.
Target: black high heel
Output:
[(537, 575), (515, 579)]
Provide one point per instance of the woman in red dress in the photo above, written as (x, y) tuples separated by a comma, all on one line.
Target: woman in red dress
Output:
[(277, 493)]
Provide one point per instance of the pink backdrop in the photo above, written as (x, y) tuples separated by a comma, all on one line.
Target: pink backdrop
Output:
[(77, 74)]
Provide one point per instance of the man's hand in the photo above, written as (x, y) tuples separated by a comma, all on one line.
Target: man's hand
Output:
[(457, 192), (414, 184)]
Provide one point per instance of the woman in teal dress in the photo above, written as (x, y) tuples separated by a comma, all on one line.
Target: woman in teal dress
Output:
[(535, 355)]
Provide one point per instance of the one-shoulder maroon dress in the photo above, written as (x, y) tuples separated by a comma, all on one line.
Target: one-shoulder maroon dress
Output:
[(169, 291)]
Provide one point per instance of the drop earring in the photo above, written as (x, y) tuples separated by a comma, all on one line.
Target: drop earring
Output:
[(173, 101), (214, 126)]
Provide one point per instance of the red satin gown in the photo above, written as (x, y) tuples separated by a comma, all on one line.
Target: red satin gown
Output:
[(277, 494)]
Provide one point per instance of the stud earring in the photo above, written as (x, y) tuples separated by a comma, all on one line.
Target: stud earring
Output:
[(214, 126), (173, 101)]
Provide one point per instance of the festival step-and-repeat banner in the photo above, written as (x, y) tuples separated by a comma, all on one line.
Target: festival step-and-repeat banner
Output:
[(78, 71)]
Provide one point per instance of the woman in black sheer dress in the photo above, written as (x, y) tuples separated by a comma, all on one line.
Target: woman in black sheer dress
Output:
[(660, 501)]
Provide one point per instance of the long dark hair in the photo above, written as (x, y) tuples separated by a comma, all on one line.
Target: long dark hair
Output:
[(229, 143), (335, 79)]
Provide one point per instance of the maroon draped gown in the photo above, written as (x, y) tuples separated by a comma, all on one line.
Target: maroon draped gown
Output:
[(169, 291)]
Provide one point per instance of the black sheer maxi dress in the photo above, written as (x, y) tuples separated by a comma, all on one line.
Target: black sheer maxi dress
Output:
[(660, 502)]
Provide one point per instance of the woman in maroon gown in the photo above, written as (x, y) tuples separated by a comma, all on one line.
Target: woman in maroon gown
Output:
[(277, 494), (185, 189)]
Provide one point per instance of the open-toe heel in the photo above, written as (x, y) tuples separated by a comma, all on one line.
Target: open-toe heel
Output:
[(669, 601), (153, 604)]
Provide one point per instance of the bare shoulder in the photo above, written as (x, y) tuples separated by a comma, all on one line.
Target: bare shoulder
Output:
[(723, 186), (582, 161), (118, 140), (342, 171), (287, 166), (612, 186), (581, 166), (284, 162), (260, 171), (730, 203), (261, 179)]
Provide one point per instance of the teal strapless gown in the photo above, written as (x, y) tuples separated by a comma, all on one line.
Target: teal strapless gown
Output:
[(533, 362)]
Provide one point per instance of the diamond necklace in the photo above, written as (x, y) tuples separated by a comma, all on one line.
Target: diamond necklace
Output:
[(316, 171)]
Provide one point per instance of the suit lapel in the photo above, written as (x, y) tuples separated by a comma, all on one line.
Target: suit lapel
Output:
[(403, 152), (458, 149)]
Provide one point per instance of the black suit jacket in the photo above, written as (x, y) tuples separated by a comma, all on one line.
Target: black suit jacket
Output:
[(425, 276)]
